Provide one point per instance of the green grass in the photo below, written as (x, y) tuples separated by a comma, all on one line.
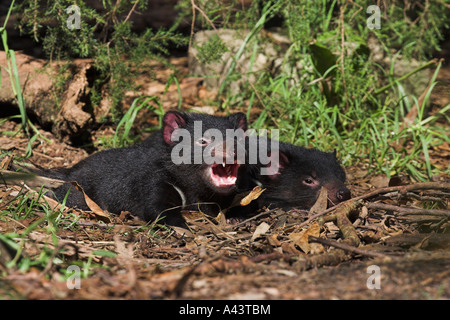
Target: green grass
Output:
[(13, 72), (27, 206), (351, 112), (39, 217), (305, 118), (122, 135)]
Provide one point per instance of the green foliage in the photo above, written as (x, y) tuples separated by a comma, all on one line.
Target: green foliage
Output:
[(415, 25), (212, 50), (122, 137), (411, 24), (105, 35), (28, 205), (13, 72), (31, 211)]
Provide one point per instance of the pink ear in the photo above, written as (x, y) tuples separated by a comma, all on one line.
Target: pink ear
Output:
[(278, 161), (172, 120), (284, 161), (240, 120)]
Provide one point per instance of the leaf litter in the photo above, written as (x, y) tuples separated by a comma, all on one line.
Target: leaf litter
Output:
[(280, 250)]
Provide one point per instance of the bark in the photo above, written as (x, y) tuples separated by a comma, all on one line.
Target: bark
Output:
[(64, 111)]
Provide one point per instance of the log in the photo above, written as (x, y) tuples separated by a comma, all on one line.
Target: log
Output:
[(65, 115)]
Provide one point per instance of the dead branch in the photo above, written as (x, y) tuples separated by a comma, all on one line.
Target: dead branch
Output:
[(273, 256), (409, 211), (429, 241), (345, 225), (233, 226), (37, 80), (401, 189), (346, 247), (326, 259), (339, 255), (404, 189)]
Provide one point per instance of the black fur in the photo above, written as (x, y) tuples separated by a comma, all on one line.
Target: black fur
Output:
[(143, 179), (298, 179)]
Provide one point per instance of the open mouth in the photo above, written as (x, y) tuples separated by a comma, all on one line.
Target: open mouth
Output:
[(224, 175)]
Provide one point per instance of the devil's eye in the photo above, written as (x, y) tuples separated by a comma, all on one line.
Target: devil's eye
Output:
[(308, 181), (203, 142)]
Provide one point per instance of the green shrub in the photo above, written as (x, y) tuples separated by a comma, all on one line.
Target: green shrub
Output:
[(119, 53), (341, 98)]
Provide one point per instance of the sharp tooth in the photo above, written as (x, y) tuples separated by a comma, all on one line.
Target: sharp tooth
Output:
[(223, 165)]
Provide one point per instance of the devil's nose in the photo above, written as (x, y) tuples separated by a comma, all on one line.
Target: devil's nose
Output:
[(343, 194)]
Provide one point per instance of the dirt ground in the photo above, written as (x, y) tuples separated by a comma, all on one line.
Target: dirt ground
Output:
[(400, 255)]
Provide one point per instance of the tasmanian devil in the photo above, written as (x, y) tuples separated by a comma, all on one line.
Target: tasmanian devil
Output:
[(295, 178), (188, 164)]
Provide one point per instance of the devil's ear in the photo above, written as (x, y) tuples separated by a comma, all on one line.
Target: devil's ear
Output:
[(334, 153), (278, 162), (239, 119), (172, 120)]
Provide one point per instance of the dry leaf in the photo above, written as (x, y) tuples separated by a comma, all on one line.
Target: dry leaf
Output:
[(98, 212), (7, 144), (244, 198), (125, 258), (192, 215), (399, 180), (221, 219), (31, 179), (321, 202), (124, 215), (273, 241), (301, 238), (253, 195), (124, 251), (5, 162), (379, 181), (260, 230), (316, 248), (289, 248), (183, 232)]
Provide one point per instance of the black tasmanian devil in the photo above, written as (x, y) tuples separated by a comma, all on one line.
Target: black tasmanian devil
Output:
[(296, 178), (168, 172)]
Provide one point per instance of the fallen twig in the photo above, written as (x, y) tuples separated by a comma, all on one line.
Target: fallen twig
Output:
[(250, 219), (409, 211), (402, 189), (346, 247), (345, 225), (339, 255)]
